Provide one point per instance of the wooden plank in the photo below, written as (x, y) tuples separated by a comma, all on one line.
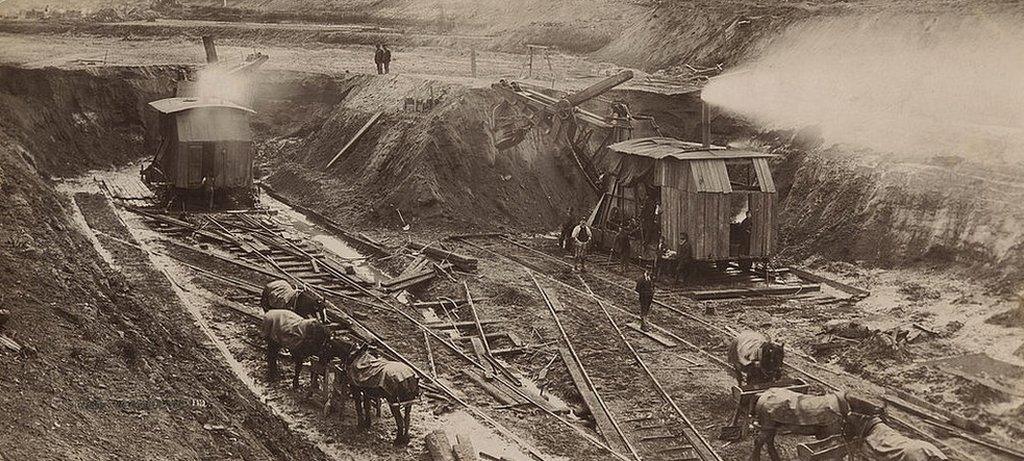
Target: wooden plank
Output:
[(461, 261), (653, 335), (604, 424), (481, 356), (747, 292), (464, 324), (832, 283), (498, 394), (354, 138)]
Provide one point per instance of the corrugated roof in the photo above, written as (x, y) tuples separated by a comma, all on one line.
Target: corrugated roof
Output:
[(172, 105), (661, 147)]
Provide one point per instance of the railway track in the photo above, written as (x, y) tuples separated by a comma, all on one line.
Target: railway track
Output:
[(604, 285)]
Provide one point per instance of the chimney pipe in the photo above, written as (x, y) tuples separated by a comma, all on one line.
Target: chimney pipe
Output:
[(211, 49), (705, 124)]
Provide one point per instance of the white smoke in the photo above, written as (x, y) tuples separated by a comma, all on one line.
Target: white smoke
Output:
[(912, 85)]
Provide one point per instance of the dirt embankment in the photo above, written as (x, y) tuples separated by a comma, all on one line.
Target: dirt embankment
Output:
[(946, 212), (436, 167), (110, 366), (70, 122)]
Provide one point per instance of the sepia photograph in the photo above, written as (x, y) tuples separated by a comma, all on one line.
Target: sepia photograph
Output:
[(511, 230)]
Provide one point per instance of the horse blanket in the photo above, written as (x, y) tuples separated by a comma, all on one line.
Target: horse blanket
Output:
[(793, 408), (279, 294), (748, 347), (374, 372), (884, 443), (290, 330)]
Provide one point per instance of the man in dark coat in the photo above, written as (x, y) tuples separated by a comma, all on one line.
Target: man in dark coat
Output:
[(378, 59), (684, 258), (622, 247), (386, 59), (567, 226), (645, 290)]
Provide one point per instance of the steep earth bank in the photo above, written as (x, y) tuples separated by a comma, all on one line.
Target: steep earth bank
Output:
[(111, 366)]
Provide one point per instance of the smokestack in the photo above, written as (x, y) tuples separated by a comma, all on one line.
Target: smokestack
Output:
[(211, 49), (705, 124)]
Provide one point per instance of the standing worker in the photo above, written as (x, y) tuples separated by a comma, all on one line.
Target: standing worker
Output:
[(581, 238), (378, 59), (645, 289), (565, 239), (387, 59), (622, 247), (684, 257)]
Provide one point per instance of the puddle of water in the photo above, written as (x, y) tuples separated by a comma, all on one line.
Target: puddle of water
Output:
[(340, 249)]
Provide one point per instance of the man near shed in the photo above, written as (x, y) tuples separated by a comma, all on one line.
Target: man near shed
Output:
[(581, 239), (622, 247), (645, 290), (684, 258)]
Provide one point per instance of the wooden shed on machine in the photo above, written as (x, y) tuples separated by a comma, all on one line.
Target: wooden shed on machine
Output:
[(206, 143), (723, 199)]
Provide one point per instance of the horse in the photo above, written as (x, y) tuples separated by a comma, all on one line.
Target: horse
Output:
[(883, 443), (302, 337), (755, 359), (279, 294), (372, 378), (778, 409)]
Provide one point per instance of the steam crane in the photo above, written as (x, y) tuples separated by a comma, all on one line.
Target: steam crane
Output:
[(525, 106)]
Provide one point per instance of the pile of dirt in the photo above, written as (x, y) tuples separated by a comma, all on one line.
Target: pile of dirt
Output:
[(72, 121), (109, 366), (433, 168), (847, 204)]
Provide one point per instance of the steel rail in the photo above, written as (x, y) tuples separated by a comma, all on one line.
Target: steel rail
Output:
[(657, 384), (586, 376), (799, 370)]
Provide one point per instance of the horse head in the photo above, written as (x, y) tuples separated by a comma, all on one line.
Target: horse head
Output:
[(308, 302), (772, 355), (858, 425)]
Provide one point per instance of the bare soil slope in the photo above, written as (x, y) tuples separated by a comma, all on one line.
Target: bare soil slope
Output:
[(110, 366)]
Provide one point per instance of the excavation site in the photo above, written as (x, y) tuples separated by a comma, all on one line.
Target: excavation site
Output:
[(563, 230)]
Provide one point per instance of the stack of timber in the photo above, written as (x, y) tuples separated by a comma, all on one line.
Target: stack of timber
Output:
[(433, 250), (441, 449), (410, 279)]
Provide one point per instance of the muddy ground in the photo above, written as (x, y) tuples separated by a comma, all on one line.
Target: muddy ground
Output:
[(100, 273)]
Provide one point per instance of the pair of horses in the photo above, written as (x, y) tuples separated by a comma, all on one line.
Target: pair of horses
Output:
[(859, 421), (291, 320)]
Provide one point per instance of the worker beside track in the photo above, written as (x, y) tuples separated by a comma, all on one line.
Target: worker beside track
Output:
[(581, 236), (684, 258), (645, 290), (378, 59), (565, 239)]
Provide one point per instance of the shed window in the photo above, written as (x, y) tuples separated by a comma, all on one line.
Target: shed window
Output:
[(742, 175)]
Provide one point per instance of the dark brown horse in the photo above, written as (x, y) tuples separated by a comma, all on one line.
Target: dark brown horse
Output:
[(372, 378), (755, 359), (280, 294), (301, 337)]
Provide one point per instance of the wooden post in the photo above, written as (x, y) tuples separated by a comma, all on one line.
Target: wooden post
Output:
[(438, 446), (472, 62), (464, 450), (355, 138), (476, 320), (430, 355)]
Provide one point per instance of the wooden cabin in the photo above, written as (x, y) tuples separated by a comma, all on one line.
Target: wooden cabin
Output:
[(723, 199), (206, 148)]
